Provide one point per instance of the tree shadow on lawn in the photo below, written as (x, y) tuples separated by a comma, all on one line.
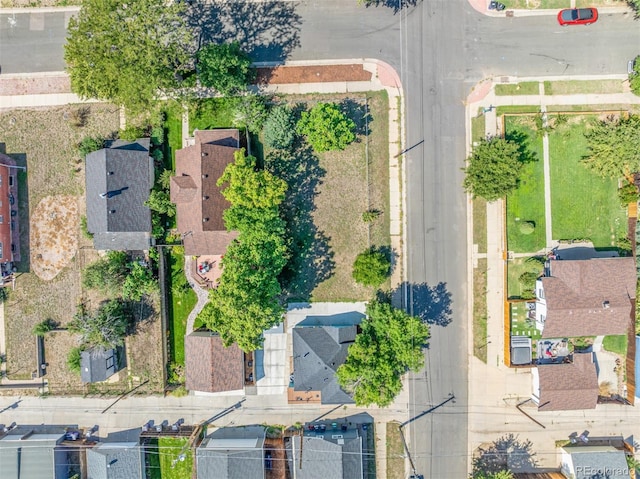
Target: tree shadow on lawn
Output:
[(311, 259), (432, 304), (360, 113), (526, 155), (267, 31)]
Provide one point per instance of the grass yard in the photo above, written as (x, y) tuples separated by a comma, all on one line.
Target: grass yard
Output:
[(558, 4), (213, 113), (523, 88), (584, 206), (520, 326), (182, 303), (507, 109), (616, 344), (526, 204), (480, 310), (572, 87), (161, 457), (515, 268), (395, 452), (477, 128), (173, 131), (480, 224)]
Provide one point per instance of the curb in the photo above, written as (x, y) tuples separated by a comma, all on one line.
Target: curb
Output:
[(482, 7), (17, 10)]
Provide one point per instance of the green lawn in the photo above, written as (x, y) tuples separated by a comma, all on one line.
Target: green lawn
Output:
[(519, 324), (182, 302), (480, 310), (169, 450), (583, 205), (480, 224), (523, 88), (477, 128), (213, 113), (515, 268), (527, 202), (615, 344), (173, 131), (569, 87)]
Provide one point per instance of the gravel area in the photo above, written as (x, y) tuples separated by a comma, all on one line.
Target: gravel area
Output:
[(18, 85)]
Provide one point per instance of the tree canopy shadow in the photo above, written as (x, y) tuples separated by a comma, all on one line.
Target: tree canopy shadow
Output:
[(526, 155), (432, 304), (311, 258), (395, 5), (267, 31), (505, 453), (360, 113)]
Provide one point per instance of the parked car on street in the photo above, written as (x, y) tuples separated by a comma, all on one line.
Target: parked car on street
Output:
[(577, 16)]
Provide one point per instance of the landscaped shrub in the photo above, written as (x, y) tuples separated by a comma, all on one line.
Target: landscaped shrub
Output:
[(84, 228), (528, 284), (634, 76), (628, 194), (327, 128), (251, 112), (157, 135), (79, 116), (280, 128), (131, 133), (371, 268), (89, 144), (370, 215), (527, 227), (73, 360), (43, 327)]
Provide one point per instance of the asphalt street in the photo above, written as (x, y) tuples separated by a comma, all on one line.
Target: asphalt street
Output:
[(440, 48)]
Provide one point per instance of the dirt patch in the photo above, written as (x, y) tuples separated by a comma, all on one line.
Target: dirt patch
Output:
[(312, 74), (35, 85), (275, 447), (54, 238)]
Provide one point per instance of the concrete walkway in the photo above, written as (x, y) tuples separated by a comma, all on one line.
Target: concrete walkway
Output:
[(494, 396), (201, 293)]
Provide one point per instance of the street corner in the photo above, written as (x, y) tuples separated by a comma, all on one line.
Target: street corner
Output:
[(479, 91), (387, 75)]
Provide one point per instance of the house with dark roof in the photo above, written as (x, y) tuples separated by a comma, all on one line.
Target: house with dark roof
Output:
[(99, 364), (594, 462), (34, 452), (592, 297), (322, 455), (232, 453), (567, 386), (9, 223), (198, 198), (118, 180), (320, 346), (115, 460), (211, 367)]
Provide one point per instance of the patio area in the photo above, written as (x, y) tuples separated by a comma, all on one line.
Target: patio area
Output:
[(553, 351), (207, 269)]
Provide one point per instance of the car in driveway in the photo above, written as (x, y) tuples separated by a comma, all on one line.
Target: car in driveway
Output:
[(577, 16)]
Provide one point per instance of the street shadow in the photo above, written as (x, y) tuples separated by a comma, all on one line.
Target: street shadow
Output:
[(394, 5), (506, 452), (360, 113), (432, 304), (267, 31), (311, 258)]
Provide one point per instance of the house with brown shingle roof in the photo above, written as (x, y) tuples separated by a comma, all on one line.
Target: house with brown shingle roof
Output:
[(592, 297), (211, 367), (567, 386), (194, 190)]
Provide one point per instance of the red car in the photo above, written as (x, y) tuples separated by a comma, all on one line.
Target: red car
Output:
[(577, 16)]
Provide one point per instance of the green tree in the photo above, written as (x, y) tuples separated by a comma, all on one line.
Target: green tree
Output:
[(371, 267), (504, 474), (326, 127), (127, 53), (74, 359), (160, 202), (614, 147), (43, 327), (280, 128), (139, 282), (389, 345), (107, 274), (634, 76), (164, 179), (89, 144), (105, 328), (635, 6), (224, 67), (493, 168), (251, 112), (246, 300)]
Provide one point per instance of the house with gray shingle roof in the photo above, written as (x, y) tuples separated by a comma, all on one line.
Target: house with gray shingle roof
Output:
[(594, 462), (232, 453), (99, 364), (33, 452), (331, 454), (320, 346), (118, 180), (115, 460)]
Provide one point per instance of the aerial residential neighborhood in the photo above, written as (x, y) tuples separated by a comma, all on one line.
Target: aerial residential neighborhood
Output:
[(349, 239)]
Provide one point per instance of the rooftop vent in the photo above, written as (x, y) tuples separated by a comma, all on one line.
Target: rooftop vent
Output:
[(605, 304), (204, 220)]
